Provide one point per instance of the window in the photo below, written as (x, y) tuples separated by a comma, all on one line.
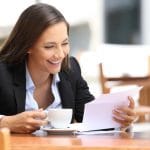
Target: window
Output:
[(122, 21)]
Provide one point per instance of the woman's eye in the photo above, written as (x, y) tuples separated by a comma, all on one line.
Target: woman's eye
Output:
[(65, 43), (49, 47)]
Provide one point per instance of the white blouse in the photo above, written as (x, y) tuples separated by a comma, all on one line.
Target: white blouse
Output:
[(31, 103)]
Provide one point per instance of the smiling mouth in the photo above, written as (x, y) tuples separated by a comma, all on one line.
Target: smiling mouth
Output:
[(54, 62)]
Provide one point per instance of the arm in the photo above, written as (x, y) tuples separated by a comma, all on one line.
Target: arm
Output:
[(25, 122)]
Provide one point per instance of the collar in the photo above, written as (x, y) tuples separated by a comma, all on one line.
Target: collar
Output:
[(29, 81)]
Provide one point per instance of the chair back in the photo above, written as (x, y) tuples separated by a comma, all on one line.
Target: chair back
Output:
[(121, 81), (103, 80), (4, 139)]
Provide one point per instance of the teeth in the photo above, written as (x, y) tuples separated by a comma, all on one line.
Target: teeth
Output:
[(54, 62)]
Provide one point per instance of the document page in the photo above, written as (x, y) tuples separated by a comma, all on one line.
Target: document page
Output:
[(98, 113)]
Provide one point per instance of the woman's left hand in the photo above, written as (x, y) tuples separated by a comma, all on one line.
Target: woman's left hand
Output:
[(125, 115)]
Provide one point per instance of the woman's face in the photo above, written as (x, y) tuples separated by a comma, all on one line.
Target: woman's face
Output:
[(51, 48)]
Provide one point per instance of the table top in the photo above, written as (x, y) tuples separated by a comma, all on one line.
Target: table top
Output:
[(107, 141)]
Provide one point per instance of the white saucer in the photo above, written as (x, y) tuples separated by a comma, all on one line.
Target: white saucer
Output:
[(58, 130)]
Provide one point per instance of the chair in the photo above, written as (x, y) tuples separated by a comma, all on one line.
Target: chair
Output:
[(124, 80), (144, 105), (4, 139)]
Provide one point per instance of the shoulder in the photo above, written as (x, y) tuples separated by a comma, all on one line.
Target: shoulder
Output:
[(5, 74), (74, 62), (74, 66), (73, 73), (7, 69), (4, 67)]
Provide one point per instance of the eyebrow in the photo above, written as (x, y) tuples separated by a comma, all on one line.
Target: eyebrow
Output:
[(65, 40)]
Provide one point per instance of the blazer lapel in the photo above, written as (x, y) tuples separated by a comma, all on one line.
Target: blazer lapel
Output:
[(65, 89), (20, 86), (66, 92)]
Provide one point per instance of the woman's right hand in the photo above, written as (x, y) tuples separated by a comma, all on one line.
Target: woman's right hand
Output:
[(25, 122)]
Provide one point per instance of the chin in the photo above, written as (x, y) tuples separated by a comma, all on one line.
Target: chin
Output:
[(55, 71)]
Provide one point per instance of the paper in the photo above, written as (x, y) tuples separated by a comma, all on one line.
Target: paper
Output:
[(98, 113), (97, 132)]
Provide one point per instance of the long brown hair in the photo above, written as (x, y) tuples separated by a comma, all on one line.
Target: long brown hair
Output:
[(30, 25)]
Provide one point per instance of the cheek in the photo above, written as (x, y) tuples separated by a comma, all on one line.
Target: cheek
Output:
[(66, 51), (46, 54), (39, 58)]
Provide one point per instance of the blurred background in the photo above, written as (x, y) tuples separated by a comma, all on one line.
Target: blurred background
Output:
[(110, 39), (113, 32)]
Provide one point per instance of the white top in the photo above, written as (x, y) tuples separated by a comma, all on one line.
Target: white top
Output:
[(31, 103)]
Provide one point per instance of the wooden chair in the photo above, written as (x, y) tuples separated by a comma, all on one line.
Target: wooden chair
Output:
[(124, 80), (4, 139), (144, 99)]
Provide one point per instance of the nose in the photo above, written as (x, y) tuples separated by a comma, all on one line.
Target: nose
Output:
[(59, 53)]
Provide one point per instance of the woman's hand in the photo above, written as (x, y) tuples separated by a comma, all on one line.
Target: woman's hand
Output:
[(25, 122), (125, 115)]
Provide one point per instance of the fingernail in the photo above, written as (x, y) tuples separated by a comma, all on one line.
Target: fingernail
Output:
[(129, 97)]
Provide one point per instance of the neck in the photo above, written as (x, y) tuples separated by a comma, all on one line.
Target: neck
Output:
[(39, 78)]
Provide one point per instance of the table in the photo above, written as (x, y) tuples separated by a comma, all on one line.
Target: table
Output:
[(109, 141)]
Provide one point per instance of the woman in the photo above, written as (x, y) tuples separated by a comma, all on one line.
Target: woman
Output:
[(37, 74)]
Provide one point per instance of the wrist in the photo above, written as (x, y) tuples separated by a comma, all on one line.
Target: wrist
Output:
[(5, 121), (1, 118), (127, 128)]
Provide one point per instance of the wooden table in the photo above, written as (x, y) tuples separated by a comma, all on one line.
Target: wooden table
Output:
[(111, 141)]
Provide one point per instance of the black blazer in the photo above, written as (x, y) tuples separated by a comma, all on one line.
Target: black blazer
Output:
[(73, 89)]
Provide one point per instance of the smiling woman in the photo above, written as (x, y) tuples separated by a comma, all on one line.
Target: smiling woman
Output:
[(37, 74), (36, 71)]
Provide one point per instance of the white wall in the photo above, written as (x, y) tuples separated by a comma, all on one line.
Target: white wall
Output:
[(145, 21), (11, 9)]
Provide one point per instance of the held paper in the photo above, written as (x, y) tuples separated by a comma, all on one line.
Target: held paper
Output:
[(98, 113)]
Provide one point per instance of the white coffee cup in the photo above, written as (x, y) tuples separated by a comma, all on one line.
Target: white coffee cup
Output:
[(59, 118)]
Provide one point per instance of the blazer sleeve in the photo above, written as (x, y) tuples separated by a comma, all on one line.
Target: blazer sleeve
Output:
[(80, 88)]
